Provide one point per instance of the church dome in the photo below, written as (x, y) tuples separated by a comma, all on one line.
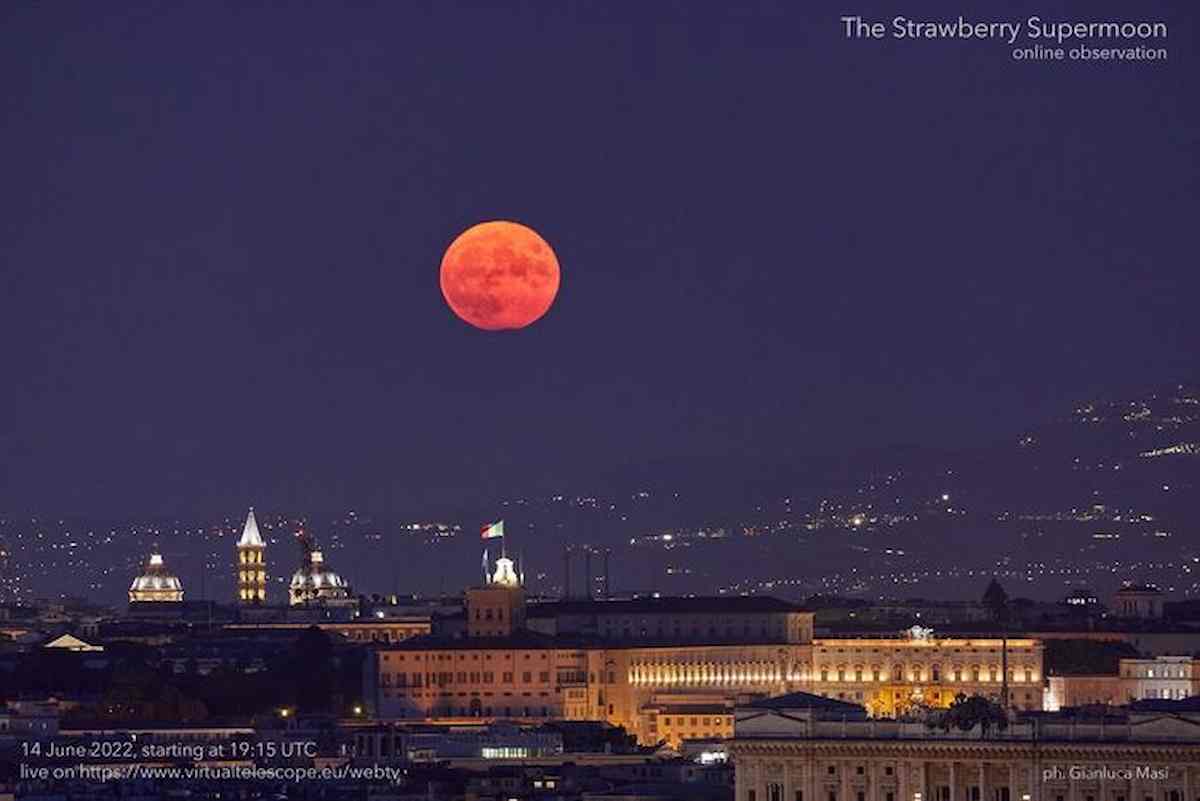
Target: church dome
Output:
[(317, 582), (157, 583)]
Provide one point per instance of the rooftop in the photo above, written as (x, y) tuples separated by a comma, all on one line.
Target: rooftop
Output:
[(528, 640), (1163, 705), (809, 701), (728, 605), (693, 709)]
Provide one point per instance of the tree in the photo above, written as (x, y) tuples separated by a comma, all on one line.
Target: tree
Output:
[(311, 671), (967, 712)]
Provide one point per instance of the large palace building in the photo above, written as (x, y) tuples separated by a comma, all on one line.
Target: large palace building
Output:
[(670, 668)]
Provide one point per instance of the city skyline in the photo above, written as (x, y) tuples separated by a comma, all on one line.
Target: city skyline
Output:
[(1096, 498), (562, 401)]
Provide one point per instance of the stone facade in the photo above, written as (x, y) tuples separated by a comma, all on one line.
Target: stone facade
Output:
[(793, 753)]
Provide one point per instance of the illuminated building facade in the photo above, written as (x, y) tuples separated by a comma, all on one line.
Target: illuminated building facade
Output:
[(251, 564), (890, 676), (524, 676), (1163, 677), (632, 683), (497, 609), (156, 583), (1082, 690), (676, 720), (501, 670), (806, 748), (1137, 679)]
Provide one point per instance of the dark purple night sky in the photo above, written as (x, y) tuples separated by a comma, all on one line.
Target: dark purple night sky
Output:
[(222, 222)]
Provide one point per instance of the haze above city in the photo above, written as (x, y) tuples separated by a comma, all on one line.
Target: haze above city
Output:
[(222, 285)]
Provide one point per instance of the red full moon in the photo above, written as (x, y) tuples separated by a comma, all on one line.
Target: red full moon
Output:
[(499, 276)]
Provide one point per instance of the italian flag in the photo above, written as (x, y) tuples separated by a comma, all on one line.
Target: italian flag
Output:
[(492, 530)]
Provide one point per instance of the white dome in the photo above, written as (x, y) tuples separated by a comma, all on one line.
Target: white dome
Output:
[(156, 584), (316, 582)]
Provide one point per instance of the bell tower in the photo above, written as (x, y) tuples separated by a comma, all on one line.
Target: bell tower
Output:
[(251, 564)]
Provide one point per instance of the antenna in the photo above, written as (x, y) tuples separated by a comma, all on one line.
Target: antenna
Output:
[(653, 571), (207, 603), (607, 586), (1004, 666), (587, 572), (566, 572)]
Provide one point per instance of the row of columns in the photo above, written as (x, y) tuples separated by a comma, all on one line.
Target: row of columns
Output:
[(914, 781), (707, 673)]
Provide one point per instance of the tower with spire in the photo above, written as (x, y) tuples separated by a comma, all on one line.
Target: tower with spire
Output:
[(251, 563)]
